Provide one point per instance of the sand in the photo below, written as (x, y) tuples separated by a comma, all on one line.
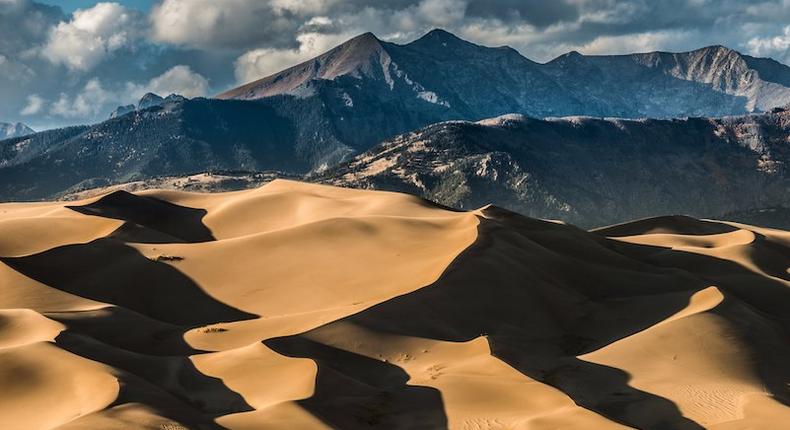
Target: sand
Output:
[(313, 307)]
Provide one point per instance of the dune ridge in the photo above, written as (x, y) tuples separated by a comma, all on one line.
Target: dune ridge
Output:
[(306, 306)]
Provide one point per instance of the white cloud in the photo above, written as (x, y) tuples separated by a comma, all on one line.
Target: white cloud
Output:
[(119, 45), (441, 12), (642, 42), (778, 46), (302, 6), (88, 103), (35, 104), (260, 63), (95, 100), (15, 72), (178, 80), (223, 24), (91, 35)]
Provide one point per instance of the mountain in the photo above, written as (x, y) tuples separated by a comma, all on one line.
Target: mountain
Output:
[(122, 110), (711, 81), (441, 77), (322, 112), (146, 101), (300, 306), (175, 138), (587, 171), (437, 76), (8, 130)]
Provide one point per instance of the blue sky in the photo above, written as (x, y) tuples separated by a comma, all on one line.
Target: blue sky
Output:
[(72, 5), (73, 61)]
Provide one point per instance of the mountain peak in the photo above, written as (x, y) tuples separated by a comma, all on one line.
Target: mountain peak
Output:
[(439, 43), (717, 50), (355, 57), (438, 35), (149, 100), (368, 37), (441, 33), (572, 55), (365, 42)]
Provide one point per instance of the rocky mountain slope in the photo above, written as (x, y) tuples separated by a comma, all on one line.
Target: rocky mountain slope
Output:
[(587, 171), (581, 170), (175, 138), (441, 76), (8, 130)]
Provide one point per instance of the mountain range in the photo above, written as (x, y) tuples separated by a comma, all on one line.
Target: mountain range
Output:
[(584, 170), (314, 118), (9, 130), (441, 76)]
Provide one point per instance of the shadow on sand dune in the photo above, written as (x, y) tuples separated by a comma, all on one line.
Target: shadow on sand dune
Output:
[(536, 290), (519, 311), (756, 305), (541, 293), (154, 305), (172, 385), (354, 391), (144, 215), (677, 224), (112, 272)]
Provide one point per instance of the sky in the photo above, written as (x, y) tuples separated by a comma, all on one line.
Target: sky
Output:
[(68, 62)]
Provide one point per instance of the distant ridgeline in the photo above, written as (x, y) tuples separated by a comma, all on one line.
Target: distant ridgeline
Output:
[(315, 117)]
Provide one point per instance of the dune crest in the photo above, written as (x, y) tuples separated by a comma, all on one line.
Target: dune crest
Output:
[(307, 306)]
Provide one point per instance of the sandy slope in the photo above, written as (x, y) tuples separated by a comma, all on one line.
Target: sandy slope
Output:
[(305, 306)]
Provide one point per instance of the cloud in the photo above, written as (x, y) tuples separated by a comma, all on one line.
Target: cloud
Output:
[(198, 47), (96, 99), (35, 105), (260, 63), (440, 12), (178, 80), (15, 71), (25, 24), (90, 102), (91, 35), (227, 24), (540, 30), (539, 13), (777, 46), (302, 6)]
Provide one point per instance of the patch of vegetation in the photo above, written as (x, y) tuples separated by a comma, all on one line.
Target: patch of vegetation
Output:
[(172, 426), (168, 258)]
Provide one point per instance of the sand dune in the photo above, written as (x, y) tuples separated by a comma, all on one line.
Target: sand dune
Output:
[(307, 306)]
